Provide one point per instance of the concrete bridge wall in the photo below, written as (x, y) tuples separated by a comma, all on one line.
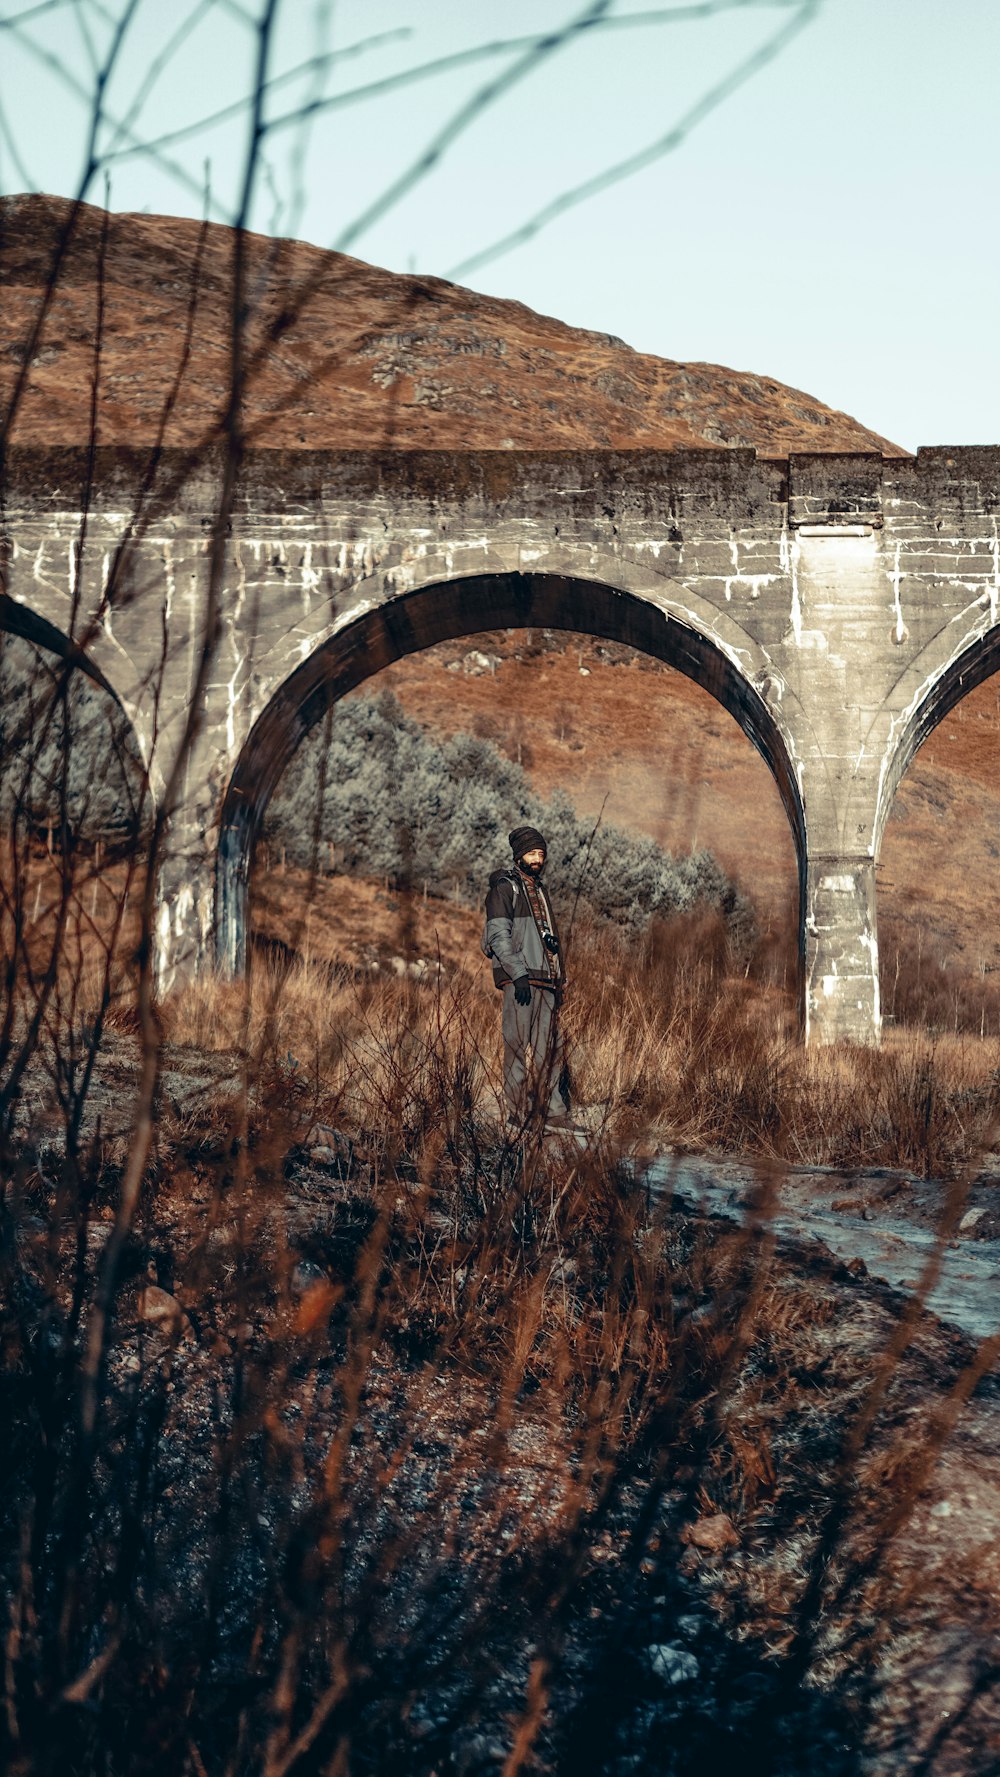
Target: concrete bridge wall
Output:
[(837, 606)]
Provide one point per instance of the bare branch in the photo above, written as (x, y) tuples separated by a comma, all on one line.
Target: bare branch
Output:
[(33, 12), (636, 163), (65, 233), (84, 92), (464, 116), (446, 64), (315, 65), (86, 38), (157, 67), (313, 108), (322, 59)]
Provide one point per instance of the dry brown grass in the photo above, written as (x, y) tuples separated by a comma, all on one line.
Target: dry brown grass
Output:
[(85, 905), (372, 992), (668, 1047), (357, 923)]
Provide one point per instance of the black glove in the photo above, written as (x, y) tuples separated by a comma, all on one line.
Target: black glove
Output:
[(522, 990)]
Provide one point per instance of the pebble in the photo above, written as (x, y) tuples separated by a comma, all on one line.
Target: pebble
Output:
[(713, 1533), (160, 1308), (305, 1275), (671, 1663)]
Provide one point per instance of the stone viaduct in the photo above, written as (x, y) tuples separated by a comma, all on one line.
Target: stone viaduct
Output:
[(837, 606)]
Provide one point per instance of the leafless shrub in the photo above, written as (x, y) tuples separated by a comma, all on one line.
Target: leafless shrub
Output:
[(921, 990)]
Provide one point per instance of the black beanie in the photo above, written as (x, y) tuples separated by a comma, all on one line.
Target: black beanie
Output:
[(526, 839)]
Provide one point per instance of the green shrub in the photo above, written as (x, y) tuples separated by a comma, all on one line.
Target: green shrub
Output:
[(393, 801)]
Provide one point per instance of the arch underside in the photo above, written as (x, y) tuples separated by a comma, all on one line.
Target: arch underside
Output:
[(20, 620), (445, 611), (975, 664), (17, 619)]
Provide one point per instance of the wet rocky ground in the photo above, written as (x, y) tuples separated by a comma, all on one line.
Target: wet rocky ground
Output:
[(887, 1223), (672, 1654)]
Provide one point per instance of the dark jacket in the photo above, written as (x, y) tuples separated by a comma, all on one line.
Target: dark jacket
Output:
[(512, 939)]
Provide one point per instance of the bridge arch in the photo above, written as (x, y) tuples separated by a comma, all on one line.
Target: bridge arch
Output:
[(17, 619), (935, 683), (935, 839), (445, 610), (21, 620)]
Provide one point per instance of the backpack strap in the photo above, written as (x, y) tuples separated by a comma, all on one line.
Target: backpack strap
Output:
[(512, 877)]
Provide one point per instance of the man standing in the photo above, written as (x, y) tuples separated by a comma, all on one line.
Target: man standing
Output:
[(522, 941)]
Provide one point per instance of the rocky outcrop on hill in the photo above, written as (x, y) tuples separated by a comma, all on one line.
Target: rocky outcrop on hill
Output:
[(343, 355)]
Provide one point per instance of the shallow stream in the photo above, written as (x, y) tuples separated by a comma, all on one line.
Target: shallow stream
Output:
[(894, 1246)]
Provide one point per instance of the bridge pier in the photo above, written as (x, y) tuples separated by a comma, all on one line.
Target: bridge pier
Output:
[(840, 950), (183, 934)]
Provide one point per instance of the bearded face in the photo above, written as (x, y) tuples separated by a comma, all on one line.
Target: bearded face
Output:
[(533, 861)]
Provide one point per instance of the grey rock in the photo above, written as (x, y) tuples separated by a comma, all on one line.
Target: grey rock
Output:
[(305, 1275), (158, 1308), (671, 1663)]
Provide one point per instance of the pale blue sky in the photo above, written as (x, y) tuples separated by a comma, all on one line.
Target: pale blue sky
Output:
[(831, 223)]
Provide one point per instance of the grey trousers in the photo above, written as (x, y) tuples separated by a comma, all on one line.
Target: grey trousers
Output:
[(535, 1026)]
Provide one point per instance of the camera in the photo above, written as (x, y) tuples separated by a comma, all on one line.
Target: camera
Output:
[(550, 941)]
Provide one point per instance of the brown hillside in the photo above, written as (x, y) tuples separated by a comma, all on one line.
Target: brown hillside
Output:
[(347, 356)]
